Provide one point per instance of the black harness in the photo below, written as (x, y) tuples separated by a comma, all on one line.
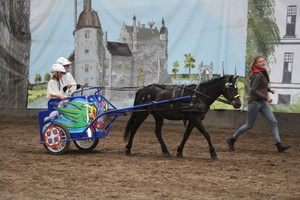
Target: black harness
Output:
[(197, 91)]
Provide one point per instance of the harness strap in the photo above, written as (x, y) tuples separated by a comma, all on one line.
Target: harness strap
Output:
[(178, 91), (214, 99)]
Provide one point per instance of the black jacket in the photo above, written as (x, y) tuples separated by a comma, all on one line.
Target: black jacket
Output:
[(259, 86)]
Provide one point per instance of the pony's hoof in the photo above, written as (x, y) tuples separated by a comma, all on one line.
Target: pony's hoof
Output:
[(128, 152), (214, 156), (167, 154), (179, 155)]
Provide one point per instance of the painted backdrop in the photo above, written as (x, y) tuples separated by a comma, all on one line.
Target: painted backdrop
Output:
[(132, 43)]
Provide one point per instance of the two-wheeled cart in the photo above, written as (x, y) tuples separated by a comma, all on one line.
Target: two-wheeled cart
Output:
[(82, 119)]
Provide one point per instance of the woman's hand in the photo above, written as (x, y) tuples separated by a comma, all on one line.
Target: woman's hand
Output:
[(269, 100), (62, 97), (272, 91)]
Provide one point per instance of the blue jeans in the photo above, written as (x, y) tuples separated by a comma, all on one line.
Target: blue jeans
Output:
[(253, 108)]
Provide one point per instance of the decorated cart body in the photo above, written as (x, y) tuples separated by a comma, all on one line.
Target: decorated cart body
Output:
[(82, 119)]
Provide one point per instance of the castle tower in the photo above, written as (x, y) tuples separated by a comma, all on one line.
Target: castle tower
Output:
[(89, 49), (285, 61), (164, 38), (134, 35), (205, 72), (149, 48)]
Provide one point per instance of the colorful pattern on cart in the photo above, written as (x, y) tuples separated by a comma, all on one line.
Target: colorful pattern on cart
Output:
[(53, 136), (79, 113)]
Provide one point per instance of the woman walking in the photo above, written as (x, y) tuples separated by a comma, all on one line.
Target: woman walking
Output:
[(258, 102)]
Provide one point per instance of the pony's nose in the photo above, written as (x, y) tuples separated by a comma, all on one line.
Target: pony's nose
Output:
[(236, 104)]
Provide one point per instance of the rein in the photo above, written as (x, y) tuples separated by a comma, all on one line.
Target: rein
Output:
[(194, 91), (214, 99), (119, 88)]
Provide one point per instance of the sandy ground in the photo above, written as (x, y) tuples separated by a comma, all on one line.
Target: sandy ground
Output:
[(254, 171)]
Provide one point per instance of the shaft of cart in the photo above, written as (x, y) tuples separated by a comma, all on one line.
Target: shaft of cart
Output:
[(123, 111)]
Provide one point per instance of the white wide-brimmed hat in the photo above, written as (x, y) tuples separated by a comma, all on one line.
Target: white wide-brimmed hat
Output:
[(63, 61), (57, 68)]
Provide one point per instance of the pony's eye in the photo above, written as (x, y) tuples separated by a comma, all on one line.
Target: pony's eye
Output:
[(228, 84)]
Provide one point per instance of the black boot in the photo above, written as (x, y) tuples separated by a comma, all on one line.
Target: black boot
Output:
[(230, 143), (281, 147)]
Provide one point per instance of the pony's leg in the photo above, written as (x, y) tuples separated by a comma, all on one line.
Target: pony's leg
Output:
[(201, 128), (186, 135), (158, 125), (136, 120)]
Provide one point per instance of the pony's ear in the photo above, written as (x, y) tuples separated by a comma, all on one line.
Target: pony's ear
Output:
[(235, 77), (231, 78)]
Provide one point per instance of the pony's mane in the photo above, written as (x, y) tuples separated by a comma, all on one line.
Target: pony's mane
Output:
[(212, 81), (203, 84)]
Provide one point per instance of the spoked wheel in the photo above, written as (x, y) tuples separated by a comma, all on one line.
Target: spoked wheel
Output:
[(86, 145), (53, 138)]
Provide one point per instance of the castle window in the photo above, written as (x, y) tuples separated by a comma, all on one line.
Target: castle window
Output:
[(119, 66), (127, 66), (287, 67), (155, 64), (291, 21), (87, 34), (86, 68), (86, 81), (124, 40), (284, 99), (86, 51)]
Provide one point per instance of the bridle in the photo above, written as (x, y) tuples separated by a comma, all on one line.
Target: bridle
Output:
[(229, 102), (230, 84)]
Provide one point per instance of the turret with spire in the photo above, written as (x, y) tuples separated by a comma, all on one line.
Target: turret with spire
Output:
[(88, 17), (134, 35), (87, 5), (164, 37), (89, 59)]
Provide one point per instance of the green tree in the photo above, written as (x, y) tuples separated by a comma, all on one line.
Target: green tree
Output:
[(47, 77), (37, 78), (189, 62), (176, 67), (263, 32)]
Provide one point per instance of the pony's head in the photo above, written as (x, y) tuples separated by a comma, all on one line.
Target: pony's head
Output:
[(230, 91)]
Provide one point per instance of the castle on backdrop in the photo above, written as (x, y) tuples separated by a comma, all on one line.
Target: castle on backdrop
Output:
[(139, 57)]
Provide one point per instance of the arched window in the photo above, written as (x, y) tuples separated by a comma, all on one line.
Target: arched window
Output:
[(87, 34), (86, 68), (291, 21), (86, 81)]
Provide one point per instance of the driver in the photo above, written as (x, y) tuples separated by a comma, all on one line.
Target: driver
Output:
[(55, 86), (70, 84)]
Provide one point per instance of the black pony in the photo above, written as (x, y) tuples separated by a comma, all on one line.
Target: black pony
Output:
[(192, 110)]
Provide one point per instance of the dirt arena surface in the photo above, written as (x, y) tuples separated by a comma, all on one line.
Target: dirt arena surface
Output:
[(254, 171)]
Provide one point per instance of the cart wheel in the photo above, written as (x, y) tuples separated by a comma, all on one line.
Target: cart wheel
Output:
[(86, 145), (53, 138)]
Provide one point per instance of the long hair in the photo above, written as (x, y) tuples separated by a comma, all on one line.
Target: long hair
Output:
[(252, 65)]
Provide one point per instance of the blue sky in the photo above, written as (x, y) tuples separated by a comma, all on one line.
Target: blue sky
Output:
[(212, 30)]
